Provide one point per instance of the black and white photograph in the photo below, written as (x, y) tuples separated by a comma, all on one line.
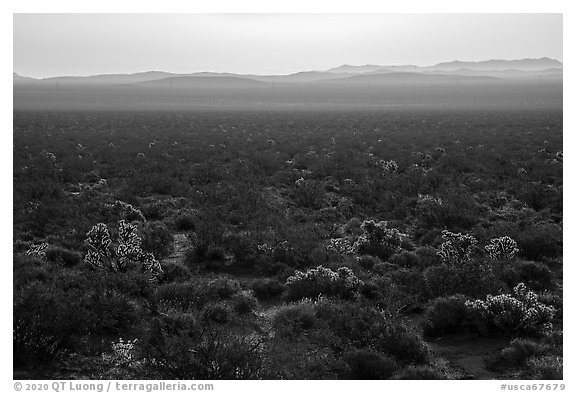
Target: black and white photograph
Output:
[(287, 196)]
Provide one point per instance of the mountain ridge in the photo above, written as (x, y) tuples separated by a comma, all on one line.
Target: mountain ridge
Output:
[(518, 69)]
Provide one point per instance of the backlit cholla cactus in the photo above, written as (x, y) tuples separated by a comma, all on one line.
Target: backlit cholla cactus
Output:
[(388, 166), (378, 235), (99, 252), (122, 353), (456, 247), (502, 248), (520, 312), (322, 281), (265, 248), (38, 250), (341, 245), (102, 253)]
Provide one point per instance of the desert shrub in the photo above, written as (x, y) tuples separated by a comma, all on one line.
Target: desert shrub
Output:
[(153, 211), (157, 239), (547, 367), (420, 373), (44, 325), (369, 290), (196, 293), (383, 268), (174, 272), (222, 288), (63, 256), (243, 248), (295, 318), (244, 302), (267, 289), (405, 258), (308, 193), (132, 284), (555, 301), (445, 316), (185, 222), (368, 261), (368, 365), (540, 242), (212, 353), (535, 275), (54, 317), (473, 278), (322, 281), (28, 269), (205, 252), (520, 313), (367, 327), (378, 240), (427, 256), (180, 294), (217, 312), (554, 338), (177, 323), (517, 352), (410, 281)]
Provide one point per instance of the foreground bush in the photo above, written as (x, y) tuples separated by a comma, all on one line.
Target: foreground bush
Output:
[(546, 367), (520, 313), (368, 365), (210, 353), (446, 316), (54, 317), (420, 373), (518, 352), (365, 327)]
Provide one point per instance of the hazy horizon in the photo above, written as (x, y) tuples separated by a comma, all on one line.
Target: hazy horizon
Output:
[(47, 45)]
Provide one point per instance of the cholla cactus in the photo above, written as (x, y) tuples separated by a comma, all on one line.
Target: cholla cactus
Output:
[(426, 199), (520, 312), (129, 244), (265, 248), (103, 254), (388, 166), (341, 246), (127, 211), (457, 247), (347, 277), (378, 234), (122, 352), (502, 248), (322, 281), (38, 250), (300, 182), (99, 253)]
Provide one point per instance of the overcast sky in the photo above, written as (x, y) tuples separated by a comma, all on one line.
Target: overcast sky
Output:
[(89, 44)]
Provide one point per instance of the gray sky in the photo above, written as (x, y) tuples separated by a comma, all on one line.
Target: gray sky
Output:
[(88, 44)]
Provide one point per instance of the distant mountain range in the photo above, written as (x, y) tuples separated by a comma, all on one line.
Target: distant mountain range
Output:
[(490, 71)]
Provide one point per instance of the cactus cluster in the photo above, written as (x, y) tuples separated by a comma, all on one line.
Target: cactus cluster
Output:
[(127, 250)]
